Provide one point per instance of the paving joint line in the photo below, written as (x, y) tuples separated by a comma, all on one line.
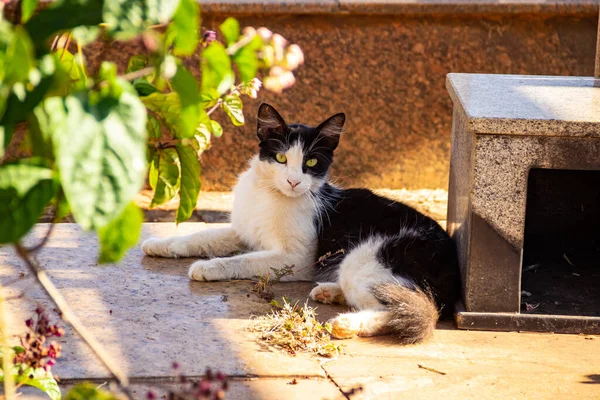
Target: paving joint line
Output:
[(333, 381), (174, 379)]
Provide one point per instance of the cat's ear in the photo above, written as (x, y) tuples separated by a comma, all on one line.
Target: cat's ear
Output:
[(331, 129), (269, 122)]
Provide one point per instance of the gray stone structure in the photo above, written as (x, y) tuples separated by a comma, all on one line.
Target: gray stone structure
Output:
[(505, 125)]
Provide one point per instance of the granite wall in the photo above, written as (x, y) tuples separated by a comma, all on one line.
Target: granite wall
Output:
[(385, 67)]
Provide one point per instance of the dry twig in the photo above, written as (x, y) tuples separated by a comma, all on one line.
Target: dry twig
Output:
[(69, 317), (431, 369)]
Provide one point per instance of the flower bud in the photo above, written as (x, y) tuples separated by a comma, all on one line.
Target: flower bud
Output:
[(205, 387), (255, 83), (279, 43), (209, 36), (272, 84), (150, 41), (294, 57), (249, 31), (264, 33), (286, 79)]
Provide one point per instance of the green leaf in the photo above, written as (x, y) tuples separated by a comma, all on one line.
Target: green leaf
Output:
[(190, 182), (42, 380), (85, 35), (41, 145), (157, 11), (60, 16), (216, 69), (167, 109), (27, 9), (71, 65), (186, 87), (100, 148), (120, 234), (25, 189), (108, 73), (153, 173), (247, 63), (18, 349), (230, 29), (88, 391), (217, 130), (37, 378), (136, 63), (19, 56), (232, 104), (246, 60), (153, 128), (128, 18), (168, 177), (184, 27), (63, 208), (143, 87), (18, 110), (5, 136)]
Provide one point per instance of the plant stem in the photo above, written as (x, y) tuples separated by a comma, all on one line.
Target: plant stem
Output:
[(231, 50), (44, 240), (66, 46), (7, 361), (131, 76), (219, 102), (81, 60), (69, 317)]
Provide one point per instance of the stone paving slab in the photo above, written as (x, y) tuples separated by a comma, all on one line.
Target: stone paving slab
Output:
[(148, 313), (474, 365), (158, 316), (241, 389)]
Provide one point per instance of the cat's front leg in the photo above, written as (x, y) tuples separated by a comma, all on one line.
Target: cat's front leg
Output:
[(251, 265), (216, 242)]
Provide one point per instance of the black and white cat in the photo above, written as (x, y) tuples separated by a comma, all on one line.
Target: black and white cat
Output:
[(397, 269)]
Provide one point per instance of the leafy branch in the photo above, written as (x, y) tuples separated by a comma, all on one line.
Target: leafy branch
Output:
[(92, 138), (68, 316)]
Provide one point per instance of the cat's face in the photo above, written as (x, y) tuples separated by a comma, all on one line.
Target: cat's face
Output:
[(295, 159)]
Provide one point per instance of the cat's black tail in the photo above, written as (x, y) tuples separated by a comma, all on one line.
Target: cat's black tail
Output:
[(414, 312)]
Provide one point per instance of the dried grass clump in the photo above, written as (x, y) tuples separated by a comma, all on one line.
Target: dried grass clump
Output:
[(294, 329)]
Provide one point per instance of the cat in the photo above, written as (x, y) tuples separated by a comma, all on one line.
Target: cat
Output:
[(394, 265)]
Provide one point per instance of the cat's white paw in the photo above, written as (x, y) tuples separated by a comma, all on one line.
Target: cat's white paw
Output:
[(157, 247), (344, 326), (328, 293), (208, 270)]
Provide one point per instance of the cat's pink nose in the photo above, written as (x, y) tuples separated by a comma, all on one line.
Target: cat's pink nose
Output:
[(293, 183)]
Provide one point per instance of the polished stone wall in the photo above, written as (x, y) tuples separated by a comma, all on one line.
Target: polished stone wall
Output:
[(385, 67)]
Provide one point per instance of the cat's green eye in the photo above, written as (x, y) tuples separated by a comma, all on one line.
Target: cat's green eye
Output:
[(311, 163), (281, 158)]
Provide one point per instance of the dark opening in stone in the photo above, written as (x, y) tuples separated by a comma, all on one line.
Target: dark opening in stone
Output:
[(561, 260)]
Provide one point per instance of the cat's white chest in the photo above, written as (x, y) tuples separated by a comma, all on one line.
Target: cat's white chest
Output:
[(269, 221)]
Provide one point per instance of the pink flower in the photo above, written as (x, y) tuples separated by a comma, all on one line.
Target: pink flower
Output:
[(209, 36), (264, 33)]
